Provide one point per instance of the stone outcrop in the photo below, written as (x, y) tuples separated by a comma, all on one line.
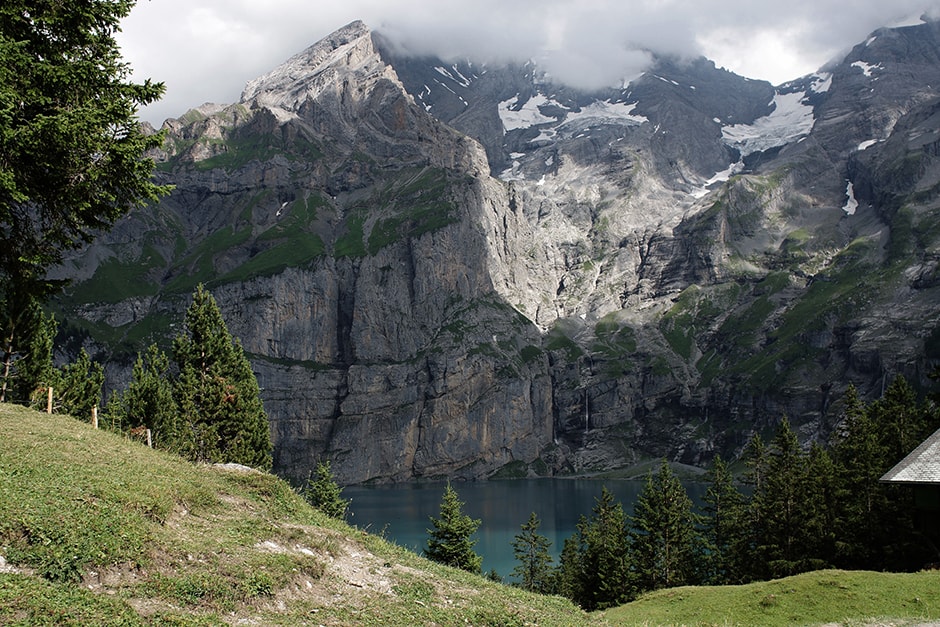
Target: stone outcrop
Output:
[(448, 270)]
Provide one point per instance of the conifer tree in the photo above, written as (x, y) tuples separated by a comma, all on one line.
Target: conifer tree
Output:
[(570, 577), (859, 458), (531, 551), (751, 563), (222, 416), (324, 493), (899, 423), (77, 386), (665, 540), (595, 563), (725, 531), (148, 401), (787, 507), (777, 500), (450, 542), (33, 371), (819, 506), (71, 148)]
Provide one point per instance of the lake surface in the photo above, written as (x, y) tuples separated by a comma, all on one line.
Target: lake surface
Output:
[(402, 512)]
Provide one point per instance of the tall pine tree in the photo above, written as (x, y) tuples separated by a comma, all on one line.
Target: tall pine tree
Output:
[(531, 551), (77, 386), (859, 458), (595, 569), (71, 148), (664, 536), (222, 416), (899, 423), (725, 529), (33, 372)]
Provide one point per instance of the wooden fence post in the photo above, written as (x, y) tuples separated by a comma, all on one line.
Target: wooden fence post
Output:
[(49, 401), (94, 416), (149, 439)]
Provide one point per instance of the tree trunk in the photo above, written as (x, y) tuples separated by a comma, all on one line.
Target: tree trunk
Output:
[(7, 366)]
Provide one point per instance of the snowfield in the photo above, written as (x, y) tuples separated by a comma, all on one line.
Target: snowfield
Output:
[(790, 120)]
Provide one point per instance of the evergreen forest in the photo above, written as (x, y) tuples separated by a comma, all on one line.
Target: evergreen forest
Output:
[(790, 509)]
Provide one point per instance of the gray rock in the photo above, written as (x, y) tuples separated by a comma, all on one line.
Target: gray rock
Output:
[(427, 289)]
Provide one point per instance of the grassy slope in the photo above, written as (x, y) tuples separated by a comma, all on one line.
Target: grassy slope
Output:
[(123, 535), (823, 597)]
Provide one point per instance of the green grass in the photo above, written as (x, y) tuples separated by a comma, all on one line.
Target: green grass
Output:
[(105, 531), (839, 597), (300, 249), (350, 242), (34, 601)]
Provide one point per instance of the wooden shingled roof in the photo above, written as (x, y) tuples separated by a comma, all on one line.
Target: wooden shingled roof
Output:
[(921, 466)]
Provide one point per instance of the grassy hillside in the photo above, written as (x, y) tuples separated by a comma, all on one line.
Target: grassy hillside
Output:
[(828, 597), (103, 531), (99, 530)]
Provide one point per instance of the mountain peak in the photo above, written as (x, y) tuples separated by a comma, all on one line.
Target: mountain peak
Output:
[(347, 53)]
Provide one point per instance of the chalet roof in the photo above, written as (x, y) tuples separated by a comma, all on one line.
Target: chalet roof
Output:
[(921, 466)]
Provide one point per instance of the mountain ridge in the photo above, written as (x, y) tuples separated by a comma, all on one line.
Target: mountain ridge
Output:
[(446, 279)]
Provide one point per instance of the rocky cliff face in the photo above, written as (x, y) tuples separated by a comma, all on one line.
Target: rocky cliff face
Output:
[(440, 269)]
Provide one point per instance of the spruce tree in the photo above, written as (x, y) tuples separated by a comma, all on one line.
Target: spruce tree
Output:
[(750, 562), (71, 148), (777, 499), (33, 371), (900, 423), (222, 416), (570, 577), (450, 542), (859, 458), (148, 401), (725, 527), (787, 509), (602, 552), (77, 386), (324, 493), (531, 551), (665, 540), (819, 506)]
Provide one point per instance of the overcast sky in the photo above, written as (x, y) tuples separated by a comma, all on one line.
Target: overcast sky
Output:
[(206, 50)]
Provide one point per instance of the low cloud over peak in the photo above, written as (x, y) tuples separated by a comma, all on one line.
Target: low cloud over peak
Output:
[(206, 50)]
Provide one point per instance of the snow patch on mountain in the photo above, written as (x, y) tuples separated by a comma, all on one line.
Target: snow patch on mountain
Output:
[(515, 115), (851, 204), (607, 111), (867, 68), (790, 120), (719, 177), (821, 82), (528, 114), (453, 73)]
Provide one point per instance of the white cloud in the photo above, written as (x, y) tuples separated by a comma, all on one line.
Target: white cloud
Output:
[(206, 50)]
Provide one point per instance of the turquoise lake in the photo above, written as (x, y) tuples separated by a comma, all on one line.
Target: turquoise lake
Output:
[(402, 512)]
